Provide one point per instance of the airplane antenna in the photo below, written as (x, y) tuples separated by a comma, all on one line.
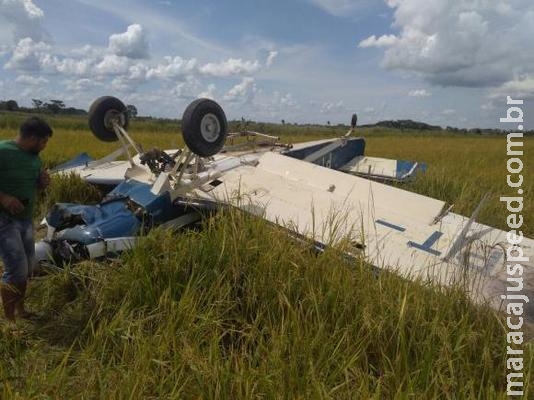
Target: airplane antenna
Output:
[(353, 122)]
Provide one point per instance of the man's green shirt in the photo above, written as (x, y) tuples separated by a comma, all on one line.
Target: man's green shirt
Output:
[(19, 172)]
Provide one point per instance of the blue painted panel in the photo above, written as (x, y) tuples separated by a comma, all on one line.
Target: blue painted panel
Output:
[(79, 160), (301, 154), (137, 191), (112, 219), (160, 208), (403, 167), (336, 158), (390, 225), (427, 245)]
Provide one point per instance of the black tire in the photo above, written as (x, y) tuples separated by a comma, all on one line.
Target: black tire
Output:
[(204, 127), (102, 112)]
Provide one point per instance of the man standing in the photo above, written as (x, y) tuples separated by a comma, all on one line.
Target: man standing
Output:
[(21, 174)]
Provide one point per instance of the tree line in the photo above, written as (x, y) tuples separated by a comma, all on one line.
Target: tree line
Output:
[(52, 106)]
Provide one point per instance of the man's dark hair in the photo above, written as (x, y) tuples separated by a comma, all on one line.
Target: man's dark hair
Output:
[(35, 126)]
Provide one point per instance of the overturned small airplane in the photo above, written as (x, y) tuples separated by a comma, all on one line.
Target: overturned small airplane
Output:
[(344, 154), (306, 188)]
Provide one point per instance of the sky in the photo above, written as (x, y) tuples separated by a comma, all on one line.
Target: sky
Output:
[(444, 62)]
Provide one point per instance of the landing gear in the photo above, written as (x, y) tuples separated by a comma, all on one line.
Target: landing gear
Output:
[(204, 127), (104, 112)]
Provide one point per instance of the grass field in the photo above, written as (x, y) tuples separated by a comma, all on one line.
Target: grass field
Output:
[(238, 311)]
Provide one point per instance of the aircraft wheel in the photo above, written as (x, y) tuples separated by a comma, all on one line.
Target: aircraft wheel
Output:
[(204, 127), (103, 113)]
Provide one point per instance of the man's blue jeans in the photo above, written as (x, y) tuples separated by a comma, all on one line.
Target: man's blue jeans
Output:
[(17, 249)]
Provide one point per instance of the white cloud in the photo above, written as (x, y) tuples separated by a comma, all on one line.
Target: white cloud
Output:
[(448, 111), (172, 68), (4, 49), (70, 66), (419, 93), (232, 66), (338, 8), (31, 80), (112, 64), (24, 17), (187, 89), (209, 93), (129, 81), (88, 67), (333, 107), (157, 21), (138, 72), (132, 44), (270, 58), (28, 55), (458, 42), (242, 92), (287, 101), (382, 41), (519, 88), (488, 106), (87, 51), (78, 74), (81, 85), (121, 84), (275, 105)]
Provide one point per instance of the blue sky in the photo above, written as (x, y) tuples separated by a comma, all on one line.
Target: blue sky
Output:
[(446, 62)]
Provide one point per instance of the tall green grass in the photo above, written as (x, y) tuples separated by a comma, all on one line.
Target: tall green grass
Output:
[(238, 311), (461, 169)]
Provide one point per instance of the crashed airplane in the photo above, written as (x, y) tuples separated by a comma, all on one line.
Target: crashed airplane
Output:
[(307, 188)]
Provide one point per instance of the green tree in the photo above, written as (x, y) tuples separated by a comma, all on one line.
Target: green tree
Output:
[(55, 106), (37, 104), (11, 105), (131, 110)]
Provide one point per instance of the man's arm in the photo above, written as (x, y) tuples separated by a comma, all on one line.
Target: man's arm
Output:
[(44, 179), (11, 204)]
